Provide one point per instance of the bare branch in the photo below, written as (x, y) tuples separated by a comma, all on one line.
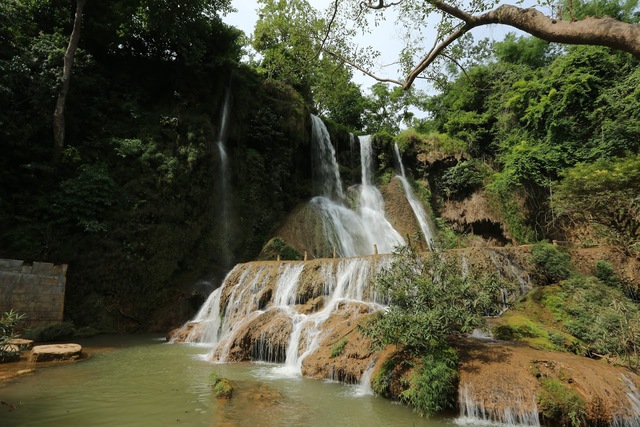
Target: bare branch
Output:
[(381, 4), (433, 54), (361, 69), (464, 71), (331, 21)]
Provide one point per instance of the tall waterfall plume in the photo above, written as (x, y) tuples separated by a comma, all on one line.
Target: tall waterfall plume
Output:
[(416, 206)]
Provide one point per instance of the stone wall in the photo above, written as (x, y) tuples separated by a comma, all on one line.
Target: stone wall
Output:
[(37, 290)]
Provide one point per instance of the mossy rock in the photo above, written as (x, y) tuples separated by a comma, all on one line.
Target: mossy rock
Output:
[(222, 388)]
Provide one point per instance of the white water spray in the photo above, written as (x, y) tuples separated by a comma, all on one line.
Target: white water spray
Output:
[(416, 206)]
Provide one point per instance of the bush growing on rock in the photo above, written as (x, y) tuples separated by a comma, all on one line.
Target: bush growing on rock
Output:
[(430, 300), (552, 262)]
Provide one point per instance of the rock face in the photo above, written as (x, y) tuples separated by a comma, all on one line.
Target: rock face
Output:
[(54, 352), (501, 381)]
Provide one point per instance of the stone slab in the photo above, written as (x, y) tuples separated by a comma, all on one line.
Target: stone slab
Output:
[(45, 353)]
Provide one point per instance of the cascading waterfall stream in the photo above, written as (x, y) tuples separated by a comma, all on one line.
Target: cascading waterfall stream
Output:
[(416, 206), (371, 210), (351, 233)]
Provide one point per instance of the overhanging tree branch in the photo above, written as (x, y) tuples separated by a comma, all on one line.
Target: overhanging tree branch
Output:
[(603, 31), (361, 69)]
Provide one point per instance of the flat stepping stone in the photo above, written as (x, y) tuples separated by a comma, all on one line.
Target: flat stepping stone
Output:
[(21, 342), (53, 352)]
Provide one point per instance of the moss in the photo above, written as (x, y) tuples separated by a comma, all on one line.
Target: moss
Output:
[(338, 348), (222, 388), (560, 404), (381, 383)]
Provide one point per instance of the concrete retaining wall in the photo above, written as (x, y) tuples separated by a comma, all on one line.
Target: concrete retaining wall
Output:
[(37, 290)]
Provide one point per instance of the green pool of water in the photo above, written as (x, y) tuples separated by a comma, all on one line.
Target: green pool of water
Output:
[(147, 382)]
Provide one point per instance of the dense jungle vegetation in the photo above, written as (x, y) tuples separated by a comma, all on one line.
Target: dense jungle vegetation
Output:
[(548, 135)]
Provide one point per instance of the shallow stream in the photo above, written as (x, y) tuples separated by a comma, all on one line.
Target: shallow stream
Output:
[(143, 381)]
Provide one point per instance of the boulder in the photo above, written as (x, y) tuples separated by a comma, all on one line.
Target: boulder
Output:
[(54, 352)]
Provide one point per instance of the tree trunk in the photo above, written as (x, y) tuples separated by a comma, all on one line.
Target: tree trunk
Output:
[(58, 113)]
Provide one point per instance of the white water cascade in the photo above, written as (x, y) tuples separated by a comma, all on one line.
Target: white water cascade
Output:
[(416, 206), (262, 310), (473, 412), (350, 232)]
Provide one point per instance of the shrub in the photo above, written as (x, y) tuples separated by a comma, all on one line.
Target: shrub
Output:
[(433, 385), (278, 247), (54, 332), (606, 273), (461, 180), (8, 323), (552, 262)]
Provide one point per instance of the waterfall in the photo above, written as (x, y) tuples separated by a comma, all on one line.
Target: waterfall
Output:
[(350, 232), (364, 388), (523, 412), (632, 418), (326, 174), (261, 312), (416, 206), (377, 228), (224, 182)]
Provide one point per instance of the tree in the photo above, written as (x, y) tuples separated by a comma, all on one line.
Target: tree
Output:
[(58, 114), (457, 19), (387, 108), (288, 35)]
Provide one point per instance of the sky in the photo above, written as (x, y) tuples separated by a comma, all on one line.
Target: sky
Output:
[(386, 37)]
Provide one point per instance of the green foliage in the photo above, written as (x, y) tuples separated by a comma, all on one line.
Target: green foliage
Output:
[(529, 51), (433, 384), (338, 348), (87, 198), (560, 404), (601, 318), (222, 388), (381, 382), (552, 262), (606, 195), (50, 333), (606, 273), (278, 247), (462, 179), (386, 108), (430, 300), (9, 321)]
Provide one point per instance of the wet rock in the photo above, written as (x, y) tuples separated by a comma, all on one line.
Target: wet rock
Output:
[(54, 352)]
